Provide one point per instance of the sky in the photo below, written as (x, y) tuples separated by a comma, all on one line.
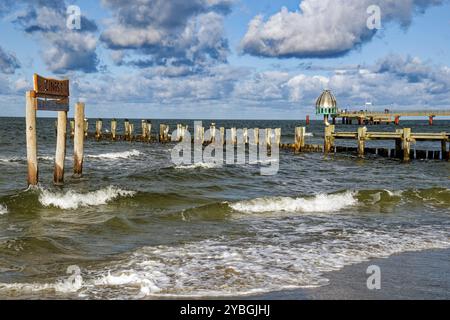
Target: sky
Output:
[(227, 59)]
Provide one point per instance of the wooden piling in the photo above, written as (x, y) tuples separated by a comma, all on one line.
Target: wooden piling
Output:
[(60, 156), (126, 125), (78, 141), (299, 139), (277, 132), (212, 130), (113, 129), (444, 153), (406, 139), (328, 139), (86, 127), (30, 115), (98, 129), (131, 131), (222, 135), (361, 141), (256, 135), (245, 135), (149, 130)]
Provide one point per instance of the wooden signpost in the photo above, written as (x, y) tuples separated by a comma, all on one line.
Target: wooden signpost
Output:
[(51, 95)]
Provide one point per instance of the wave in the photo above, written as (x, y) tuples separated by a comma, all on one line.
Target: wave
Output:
[(3, 209), (203, 165), (318, 203), (74, 200), (116, 155)]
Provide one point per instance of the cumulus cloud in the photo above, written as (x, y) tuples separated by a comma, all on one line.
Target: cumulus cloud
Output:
[(168, 33), (63, 50), (8, 62), (324, 28), (402, 82)]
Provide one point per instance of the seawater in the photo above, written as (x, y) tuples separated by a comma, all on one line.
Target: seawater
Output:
[(138, 226)]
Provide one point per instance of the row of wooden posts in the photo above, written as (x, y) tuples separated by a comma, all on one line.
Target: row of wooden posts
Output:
[(402, 137), (164, 136)]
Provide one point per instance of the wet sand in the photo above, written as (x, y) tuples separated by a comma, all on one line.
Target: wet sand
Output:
[(411, 275)]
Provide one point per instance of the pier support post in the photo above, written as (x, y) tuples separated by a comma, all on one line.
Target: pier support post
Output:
[(444, 153), (98, 129), (277, 132), (60, 156), (212, 131), (78, 141), (329, 140), (30, 115), (86, 127), (131, 131), (406, 144), (113, 129), (222, 135), (361, 141), (149, 130), (126, 126), (245, 135), (299, 141), (256, 135)]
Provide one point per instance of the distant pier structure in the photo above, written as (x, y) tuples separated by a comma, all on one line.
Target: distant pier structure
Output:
[(327, 106)]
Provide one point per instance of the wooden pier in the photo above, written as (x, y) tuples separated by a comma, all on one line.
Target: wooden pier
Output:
[(403, 138), (374, 117)]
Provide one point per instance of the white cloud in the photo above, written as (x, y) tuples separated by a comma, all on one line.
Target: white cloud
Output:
[(323, 28)]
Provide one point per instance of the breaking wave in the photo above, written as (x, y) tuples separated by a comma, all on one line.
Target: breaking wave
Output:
[(3, 209), (74, 200), (318, 203), (203, 165), (116, 155)]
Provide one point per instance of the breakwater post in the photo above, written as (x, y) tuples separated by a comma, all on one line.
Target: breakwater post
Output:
[(78, 141), (30, 120)]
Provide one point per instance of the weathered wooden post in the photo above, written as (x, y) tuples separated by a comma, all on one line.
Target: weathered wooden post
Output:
[(60, 156), (30, 115), (72, 128), (222, 135), (86, 127), (398, 144), (245, 135), (256, 135), (131, 131), (113, 129), (212, 130), (406, 144), (162, 131), (361, 141), (299, 143), (268, 136), (444, 154), (78, 141), (328, 141), (278, 136), (149, 130), (98, 129), (144, 129), (126, 126)]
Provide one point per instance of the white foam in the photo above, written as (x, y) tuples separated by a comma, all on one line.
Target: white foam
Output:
[(203, 165), (3, 209), (74, 200), (318, 203), (116, 155)]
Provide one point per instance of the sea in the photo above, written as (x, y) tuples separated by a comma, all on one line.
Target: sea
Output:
[(138, 226)]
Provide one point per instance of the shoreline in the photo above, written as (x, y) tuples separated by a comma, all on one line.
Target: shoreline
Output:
[(408, 275)]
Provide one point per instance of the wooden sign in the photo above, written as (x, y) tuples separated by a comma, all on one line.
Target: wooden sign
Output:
[(48, 88), (53, 104)]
